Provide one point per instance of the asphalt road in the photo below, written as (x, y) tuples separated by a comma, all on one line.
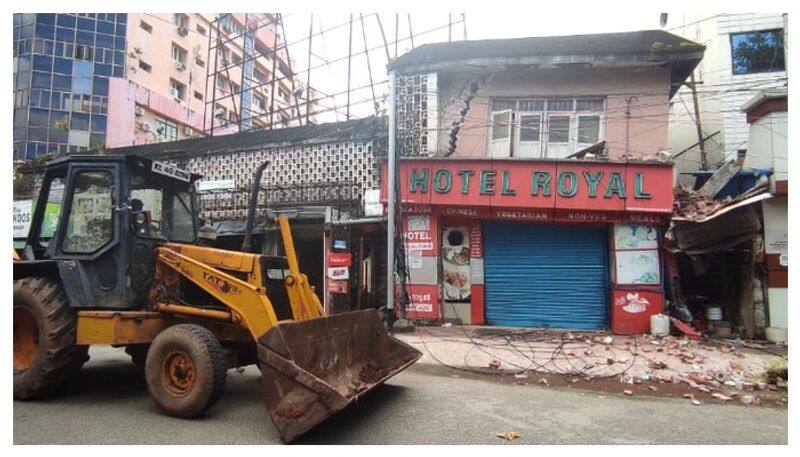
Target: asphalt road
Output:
[(109, 405)]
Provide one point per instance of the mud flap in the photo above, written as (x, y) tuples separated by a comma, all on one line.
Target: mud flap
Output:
[(312, 369)]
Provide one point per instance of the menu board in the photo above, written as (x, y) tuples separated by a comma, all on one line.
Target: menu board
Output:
[(627, 236)]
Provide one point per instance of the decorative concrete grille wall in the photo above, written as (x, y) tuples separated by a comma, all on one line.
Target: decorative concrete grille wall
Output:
[(313, 174), (417, 118)]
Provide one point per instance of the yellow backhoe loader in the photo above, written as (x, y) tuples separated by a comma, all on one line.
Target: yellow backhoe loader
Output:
[(113, 258)]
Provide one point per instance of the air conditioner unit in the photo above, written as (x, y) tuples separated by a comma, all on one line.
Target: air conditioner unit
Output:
[(219, 113), (180, 66), (174, 92), (144, 126), (183, 31), (139, 111), (226, 28), (188, 131)]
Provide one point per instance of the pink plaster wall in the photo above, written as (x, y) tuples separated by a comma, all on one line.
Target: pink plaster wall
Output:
[(649, 111), (123, 97)]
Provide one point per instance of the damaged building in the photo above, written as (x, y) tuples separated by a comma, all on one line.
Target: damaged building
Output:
[(727, 248), (533, 181)]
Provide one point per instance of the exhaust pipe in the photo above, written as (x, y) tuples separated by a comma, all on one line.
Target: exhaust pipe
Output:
[(251, 208)]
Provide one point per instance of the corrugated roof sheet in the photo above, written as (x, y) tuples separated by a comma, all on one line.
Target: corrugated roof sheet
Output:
[(356, 129)]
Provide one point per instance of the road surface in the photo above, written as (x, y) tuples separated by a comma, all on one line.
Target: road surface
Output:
[(423, 405)]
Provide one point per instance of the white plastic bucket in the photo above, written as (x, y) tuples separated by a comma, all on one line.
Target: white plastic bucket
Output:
[(714, 313), (659, 324)]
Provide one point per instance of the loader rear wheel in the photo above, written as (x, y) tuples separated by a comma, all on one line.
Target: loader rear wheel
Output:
[(45, 332), (185, 370)]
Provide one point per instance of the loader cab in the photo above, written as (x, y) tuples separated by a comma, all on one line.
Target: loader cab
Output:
[(100, 218)]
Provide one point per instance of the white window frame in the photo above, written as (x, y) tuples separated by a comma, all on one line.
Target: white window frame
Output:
[(179, 54), (517, 147)]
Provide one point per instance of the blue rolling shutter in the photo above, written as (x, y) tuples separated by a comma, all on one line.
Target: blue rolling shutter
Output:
[(545, 275)]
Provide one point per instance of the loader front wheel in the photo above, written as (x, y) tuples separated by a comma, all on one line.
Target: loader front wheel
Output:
[(185, 370), (45, 332)]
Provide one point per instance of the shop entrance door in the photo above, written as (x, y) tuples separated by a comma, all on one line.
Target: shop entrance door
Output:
[(545, 275)]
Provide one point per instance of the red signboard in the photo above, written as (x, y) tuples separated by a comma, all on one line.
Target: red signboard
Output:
[(338, 286), (339, 259), (576, 190)]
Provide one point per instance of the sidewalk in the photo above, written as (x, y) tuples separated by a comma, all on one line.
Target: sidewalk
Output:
[(722, 369)]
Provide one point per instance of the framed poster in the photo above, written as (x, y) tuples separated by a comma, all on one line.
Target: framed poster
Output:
[(637, 267)]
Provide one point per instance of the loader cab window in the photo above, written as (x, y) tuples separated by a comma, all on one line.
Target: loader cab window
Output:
[(52, 212), (164, 208), (91, 216)]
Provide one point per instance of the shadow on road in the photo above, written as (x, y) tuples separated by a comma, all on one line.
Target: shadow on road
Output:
[(347, 423)]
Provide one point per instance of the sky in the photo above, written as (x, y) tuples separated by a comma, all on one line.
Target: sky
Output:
[(330, 48)]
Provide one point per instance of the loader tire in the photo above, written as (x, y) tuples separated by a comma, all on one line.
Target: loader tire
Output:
[(45, 333), (185, 370)]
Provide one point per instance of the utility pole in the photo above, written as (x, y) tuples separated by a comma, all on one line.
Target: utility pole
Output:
[(698, 125), (391, 198)]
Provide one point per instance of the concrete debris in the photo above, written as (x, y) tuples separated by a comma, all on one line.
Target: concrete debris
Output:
[(623, 360), (494, 364), (721, 396), (627, 392), (696, 402), (653, 388), (607, 340), (748, 399), (544, 381), (521, 375), (688, 395), (510, 436)]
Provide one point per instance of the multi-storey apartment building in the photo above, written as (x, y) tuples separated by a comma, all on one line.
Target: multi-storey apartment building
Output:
[(104, 80), (167, 95), (745, 54)]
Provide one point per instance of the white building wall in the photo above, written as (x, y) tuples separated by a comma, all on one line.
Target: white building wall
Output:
[(721, 93), (768, 144)]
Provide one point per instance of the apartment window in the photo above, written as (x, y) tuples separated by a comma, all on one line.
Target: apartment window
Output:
[(232, 117), (757, 52), (284, 94), (198, 96), (83, 52), (166, 130), (235, 88), (181, 20), (236, 59), (177, 89), (145, 66), (554, 127), (199, 62), (178, 54), (201, 30), (260, 76), (146, 27), (259, 102)]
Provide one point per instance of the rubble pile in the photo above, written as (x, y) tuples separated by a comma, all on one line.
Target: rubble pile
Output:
[(725, 371), (693, 205)]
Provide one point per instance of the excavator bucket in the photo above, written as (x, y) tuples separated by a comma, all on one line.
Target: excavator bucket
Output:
[(311, 369)]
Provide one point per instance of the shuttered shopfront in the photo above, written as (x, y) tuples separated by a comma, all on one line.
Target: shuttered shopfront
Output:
[(545, 275)]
